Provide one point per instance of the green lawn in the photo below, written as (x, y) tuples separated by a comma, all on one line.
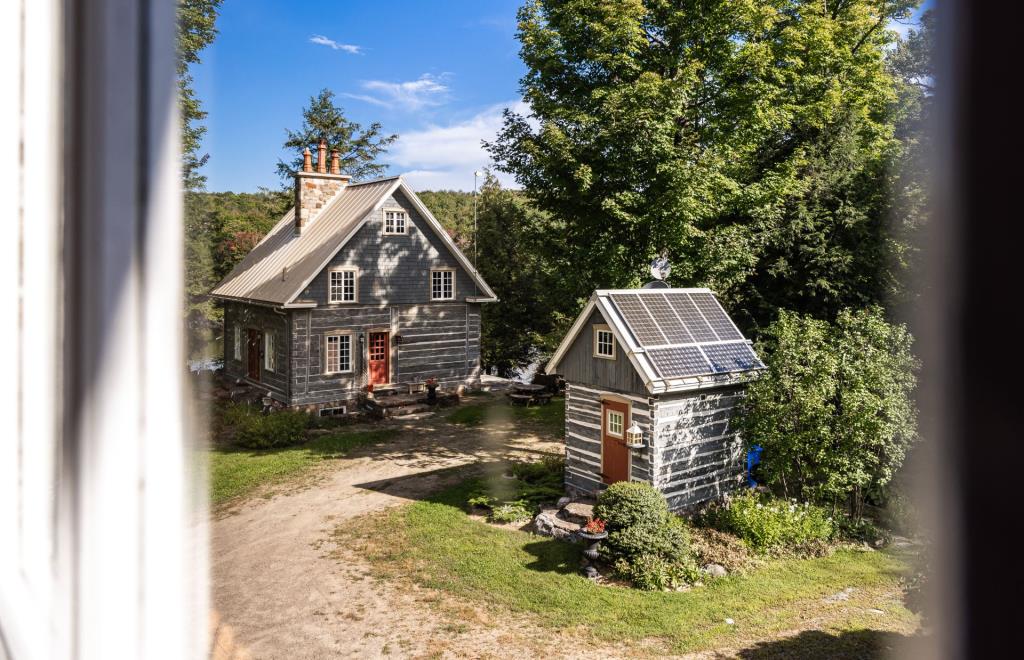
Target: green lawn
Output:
[(549, 418), (237, 472), (437, 544)]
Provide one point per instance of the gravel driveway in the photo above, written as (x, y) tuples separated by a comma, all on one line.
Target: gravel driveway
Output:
[(277, 593)]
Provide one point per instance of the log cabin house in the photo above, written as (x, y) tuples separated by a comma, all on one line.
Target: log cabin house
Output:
[(357, 285), (653, 377)]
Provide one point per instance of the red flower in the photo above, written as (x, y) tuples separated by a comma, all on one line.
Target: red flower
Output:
[(594, 526)]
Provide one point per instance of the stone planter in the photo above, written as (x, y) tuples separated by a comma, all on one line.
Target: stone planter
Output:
[(431, 394), (591, 552)]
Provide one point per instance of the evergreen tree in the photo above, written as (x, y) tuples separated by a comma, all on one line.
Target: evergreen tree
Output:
[(359, 149), (196, 30)]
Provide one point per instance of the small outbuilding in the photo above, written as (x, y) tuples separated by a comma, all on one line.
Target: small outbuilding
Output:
[(653, 378)]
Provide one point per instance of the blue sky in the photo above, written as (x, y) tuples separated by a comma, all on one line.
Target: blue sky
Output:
[(437, 73)]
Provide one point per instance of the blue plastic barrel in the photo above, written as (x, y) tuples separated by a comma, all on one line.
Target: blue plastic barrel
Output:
[(753, 458)]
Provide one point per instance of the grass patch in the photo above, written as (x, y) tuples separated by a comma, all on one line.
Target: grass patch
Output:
[(435, 543), (237, 472), (550, 417)]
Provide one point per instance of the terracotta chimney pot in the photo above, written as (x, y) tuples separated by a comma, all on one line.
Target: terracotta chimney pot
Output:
[(335, 162), (307, 161), (321, 157)]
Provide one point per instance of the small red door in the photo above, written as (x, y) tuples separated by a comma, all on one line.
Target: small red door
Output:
[(378, 358), (253, 348), (614, 453)]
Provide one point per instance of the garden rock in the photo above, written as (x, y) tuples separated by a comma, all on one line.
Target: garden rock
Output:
[(715, 570), (562, 501), (547, 523), (577, 512)]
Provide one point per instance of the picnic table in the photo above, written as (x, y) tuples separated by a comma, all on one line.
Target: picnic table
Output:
[(527, 394)]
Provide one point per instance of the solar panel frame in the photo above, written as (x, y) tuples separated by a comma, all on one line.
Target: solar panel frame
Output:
[(638, 319), (715, 315), (731, 356), (679, 361)]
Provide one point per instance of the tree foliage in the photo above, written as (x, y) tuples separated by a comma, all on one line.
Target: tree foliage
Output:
[(834, 412), (521, 256), (454, 210), (754, 141), (220, 229), (359, 149), (196, 30)]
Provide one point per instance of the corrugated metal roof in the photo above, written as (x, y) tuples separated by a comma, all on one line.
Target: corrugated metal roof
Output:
[(280, 265)]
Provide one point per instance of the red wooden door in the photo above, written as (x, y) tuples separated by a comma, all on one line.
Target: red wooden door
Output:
[(253, 348), (614, 453), (378, 358)]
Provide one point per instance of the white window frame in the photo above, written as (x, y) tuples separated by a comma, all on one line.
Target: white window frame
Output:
[(438, 271), (327, 359), (600, 329), (355, 285), (394, 231), (270, 351), (237, 352), (608, 423)]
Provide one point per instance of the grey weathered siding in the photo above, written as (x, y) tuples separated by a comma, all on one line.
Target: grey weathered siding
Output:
[(265, 320), (698, 455), (393, 269), (583, 438), (440, 340), (580, 366)]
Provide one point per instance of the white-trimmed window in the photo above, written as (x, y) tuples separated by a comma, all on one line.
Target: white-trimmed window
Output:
[(604, 342), (615, 423), (442, 285), (341, 287), (337, 354), (238, 342), (395, 221), (270, 351)]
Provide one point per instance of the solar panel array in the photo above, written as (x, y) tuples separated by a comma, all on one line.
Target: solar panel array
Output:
[(685, 333)]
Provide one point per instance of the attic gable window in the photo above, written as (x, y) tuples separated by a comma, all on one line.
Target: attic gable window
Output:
[(604, 342), (442, 285), (342, 286), (395, 221), (337, 354)]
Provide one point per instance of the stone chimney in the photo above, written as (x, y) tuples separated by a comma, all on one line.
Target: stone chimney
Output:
[(314, 189)]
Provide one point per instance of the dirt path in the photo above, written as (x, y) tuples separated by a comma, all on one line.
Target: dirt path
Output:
[(280, 595)]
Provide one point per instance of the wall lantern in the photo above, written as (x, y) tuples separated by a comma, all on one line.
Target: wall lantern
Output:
[(634, 437)]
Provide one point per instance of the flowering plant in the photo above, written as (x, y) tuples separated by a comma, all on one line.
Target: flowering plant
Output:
[(431, 381), (594, 526)]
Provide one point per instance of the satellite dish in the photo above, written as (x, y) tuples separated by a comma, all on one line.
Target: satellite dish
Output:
[(660, 268)]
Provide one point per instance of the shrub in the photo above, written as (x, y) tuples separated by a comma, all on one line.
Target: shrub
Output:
[(648, 544), (510, 513), (766, 523), (255, 430), (652, 572), (630, 503), (667, 538), (834, 412)]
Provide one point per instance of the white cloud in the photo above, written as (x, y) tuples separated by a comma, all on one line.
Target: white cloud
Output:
[(445, 157), (334, 45), (410, 95)]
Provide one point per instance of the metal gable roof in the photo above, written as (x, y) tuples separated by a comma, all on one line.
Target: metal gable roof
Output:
[(676, 339), (284, 263)]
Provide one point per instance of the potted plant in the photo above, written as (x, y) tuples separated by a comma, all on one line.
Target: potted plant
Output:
[(593, 533), (431, 384)]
